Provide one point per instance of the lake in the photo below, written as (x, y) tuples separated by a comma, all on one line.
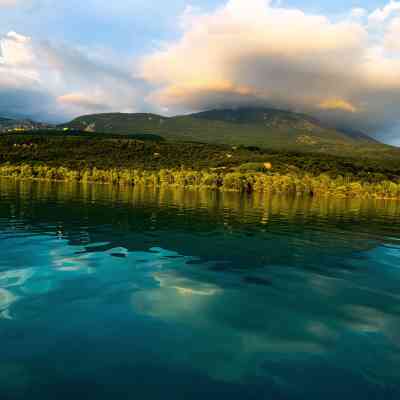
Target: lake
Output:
[(111, 292)]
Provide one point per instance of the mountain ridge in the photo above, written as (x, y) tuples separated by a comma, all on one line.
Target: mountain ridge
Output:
[(262, 127), (260, 114)]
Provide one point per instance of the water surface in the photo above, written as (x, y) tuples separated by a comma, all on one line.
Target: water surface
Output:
[(108, 292)]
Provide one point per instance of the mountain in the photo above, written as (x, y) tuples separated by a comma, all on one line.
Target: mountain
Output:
[(281, 119), (254, 115), (355, 134), (8, 124), (263, 127), (4, 121)]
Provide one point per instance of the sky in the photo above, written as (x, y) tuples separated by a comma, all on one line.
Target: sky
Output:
[(336, 60)]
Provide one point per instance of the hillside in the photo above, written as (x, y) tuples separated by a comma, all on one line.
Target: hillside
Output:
[(5, 121), (87, 157), (262, 127), (79, 150), (8, 124)]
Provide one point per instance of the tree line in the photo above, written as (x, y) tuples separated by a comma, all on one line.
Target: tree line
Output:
[(219, 179)]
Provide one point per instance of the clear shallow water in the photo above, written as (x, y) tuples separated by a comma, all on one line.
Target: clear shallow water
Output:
[(111, 293)]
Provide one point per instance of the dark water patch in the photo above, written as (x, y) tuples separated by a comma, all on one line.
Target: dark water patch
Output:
[(256, 280), (118, 255)]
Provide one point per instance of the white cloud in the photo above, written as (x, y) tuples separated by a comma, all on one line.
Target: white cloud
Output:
[(382, 14), (16, 50), (250, 52), (245, 52), (71, 80), (19, 78), (358, 12), (392, 35)]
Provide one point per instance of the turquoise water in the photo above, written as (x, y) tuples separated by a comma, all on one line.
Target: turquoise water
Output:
[(140, 294)]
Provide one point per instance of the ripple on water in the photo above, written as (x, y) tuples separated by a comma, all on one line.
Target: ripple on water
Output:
[(251, 296)]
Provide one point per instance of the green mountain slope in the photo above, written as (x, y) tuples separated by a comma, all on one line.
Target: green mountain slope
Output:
[(262, 127), (280, 119)]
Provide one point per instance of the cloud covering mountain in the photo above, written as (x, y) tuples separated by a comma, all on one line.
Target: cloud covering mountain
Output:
[(342, 69), (240, 55)]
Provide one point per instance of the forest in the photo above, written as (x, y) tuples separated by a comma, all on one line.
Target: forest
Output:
[(154, 161)]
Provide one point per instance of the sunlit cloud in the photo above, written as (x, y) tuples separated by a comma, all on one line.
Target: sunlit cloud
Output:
[(255, 53), (243, 52), (337, 104)]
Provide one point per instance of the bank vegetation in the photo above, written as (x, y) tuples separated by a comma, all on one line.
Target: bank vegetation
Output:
[(247, 178)]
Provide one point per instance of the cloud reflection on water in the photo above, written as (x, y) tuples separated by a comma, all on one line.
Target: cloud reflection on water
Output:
[(237, 328), (199, 280)]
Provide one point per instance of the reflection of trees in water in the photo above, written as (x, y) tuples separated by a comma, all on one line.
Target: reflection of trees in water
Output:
[(243, 227), (248, 207), (319, 291)]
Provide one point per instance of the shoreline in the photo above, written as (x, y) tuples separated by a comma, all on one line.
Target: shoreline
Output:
[(299, 184)]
